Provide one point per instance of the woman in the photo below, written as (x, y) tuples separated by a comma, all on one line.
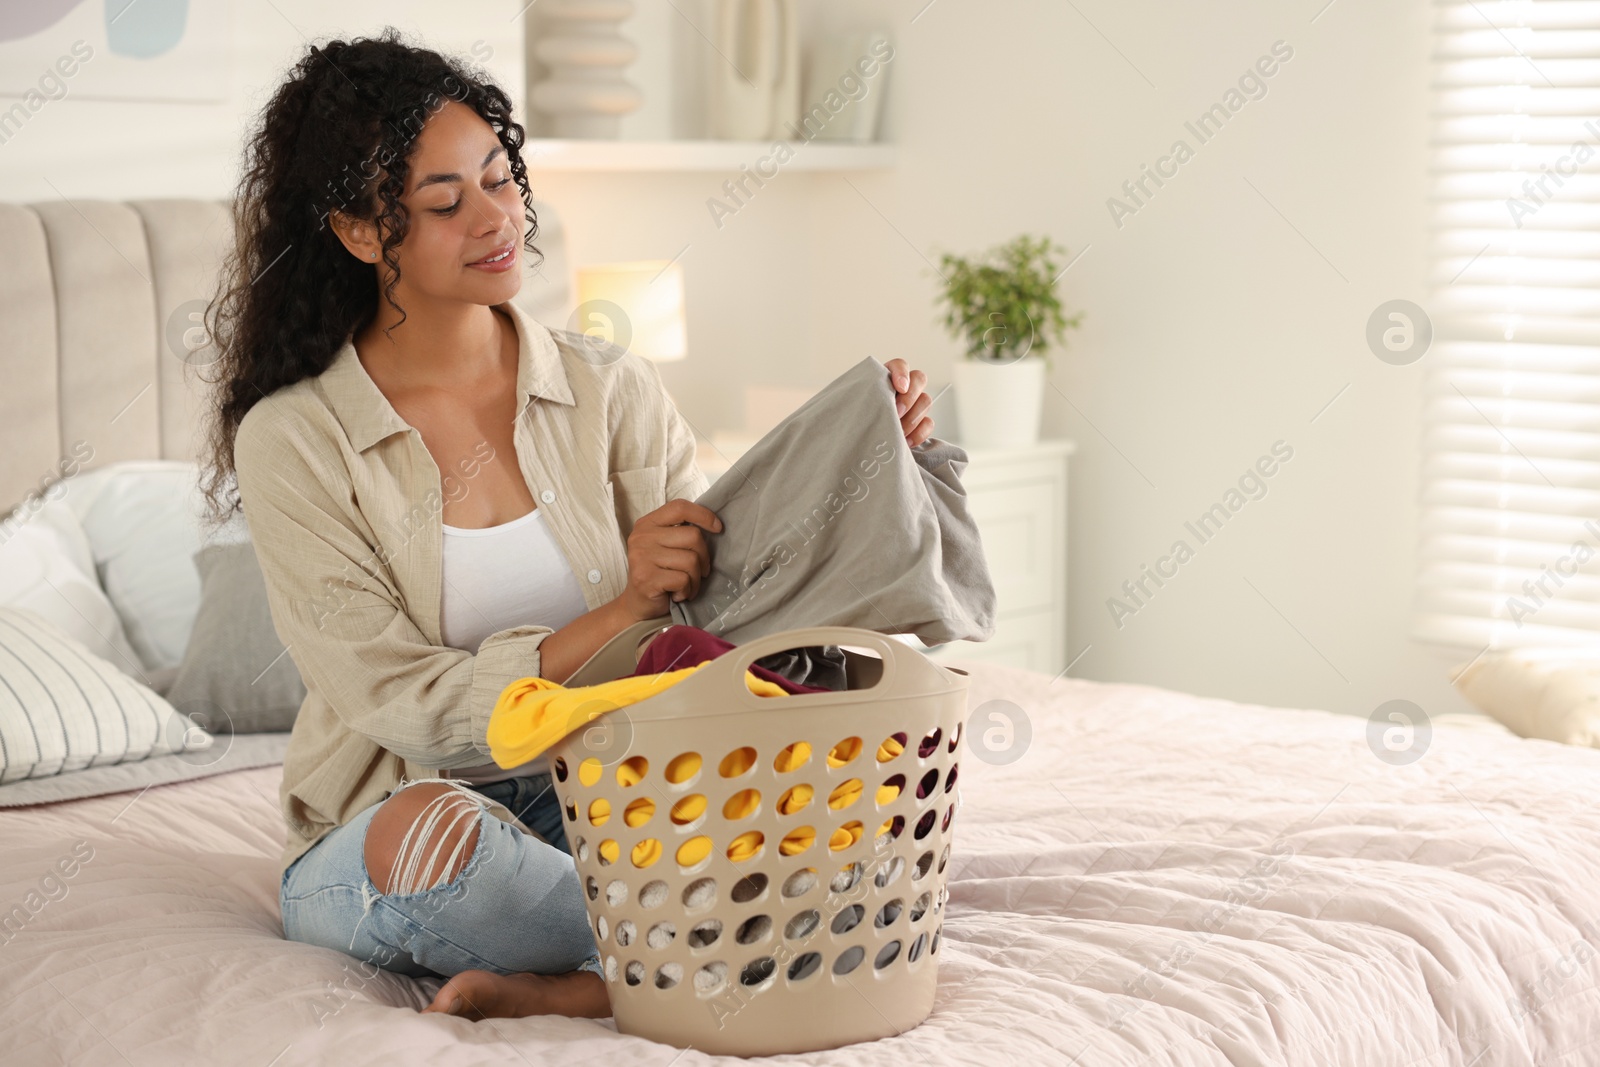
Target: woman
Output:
[(445, 496)]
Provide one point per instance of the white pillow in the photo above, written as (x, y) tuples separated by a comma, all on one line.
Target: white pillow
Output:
[(47, 567), (143, 522), (1548, 693), (63, 709)]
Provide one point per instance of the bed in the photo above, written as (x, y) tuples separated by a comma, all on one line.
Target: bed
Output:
[(1159, 879), (1155, 879)]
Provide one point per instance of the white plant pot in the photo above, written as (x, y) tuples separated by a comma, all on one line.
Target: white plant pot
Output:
[(999, 403)]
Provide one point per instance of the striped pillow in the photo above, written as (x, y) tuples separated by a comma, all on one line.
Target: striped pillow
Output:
[(62, 708)]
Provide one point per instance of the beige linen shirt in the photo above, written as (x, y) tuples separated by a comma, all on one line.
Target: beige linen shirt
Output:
[(344, 503)]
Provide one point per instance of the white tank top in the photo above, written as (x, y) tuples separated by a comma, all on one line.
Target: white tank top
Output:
[(498, 577)]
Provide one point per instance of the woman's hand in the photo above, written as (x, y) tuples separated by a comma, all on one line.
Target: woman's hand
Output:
[(667, 557), (913, 403)]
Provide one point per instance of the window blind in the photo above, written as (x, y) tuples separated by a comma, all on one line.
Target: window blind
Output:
[(1510, 521)]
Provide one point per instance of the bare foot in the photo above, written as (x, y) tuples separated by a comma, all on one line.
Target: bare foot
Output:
[(487, 995)]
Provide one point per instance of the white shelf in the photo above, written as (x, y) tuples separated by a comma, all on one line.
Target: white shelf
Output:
[(550, 154)]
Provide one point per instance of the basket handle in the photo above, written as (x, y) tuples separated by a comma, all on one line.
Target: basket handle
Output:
[(903, 666), (619, 655)]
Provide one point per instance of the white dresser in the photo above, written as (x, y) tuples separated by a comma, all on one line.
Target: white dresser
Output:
[(1018, 496)]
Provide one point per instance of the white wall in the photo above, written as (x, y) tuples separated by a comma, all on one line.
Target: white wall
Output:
[(114, 149), (1214, 325), (1214, 328)]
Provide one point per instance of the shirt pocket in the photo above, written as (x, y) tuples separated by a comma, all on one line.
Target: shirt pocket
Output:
[(637, 492)]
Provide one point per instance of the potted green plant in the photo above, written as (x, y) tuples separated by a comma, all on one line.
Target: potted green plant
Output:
[(1002, 306)]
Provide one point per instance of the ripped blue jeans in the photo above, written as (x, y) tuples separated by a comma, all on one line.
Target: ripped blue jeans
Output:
[(516, 906)]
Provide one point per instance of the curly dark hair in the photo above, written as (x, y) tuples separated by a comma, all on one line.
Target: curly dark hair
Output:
[(337, 135)]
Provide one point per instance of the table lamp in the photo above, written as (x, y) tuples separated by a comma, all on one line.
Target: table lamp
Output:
[(638, 305)]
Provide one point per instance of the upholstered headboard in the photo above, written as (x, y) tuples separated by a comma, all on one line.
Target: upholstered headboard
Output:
[(90, 291)]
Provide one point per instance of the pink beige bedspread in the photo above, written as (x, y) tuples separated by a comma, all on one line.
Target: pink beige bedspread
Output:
[(1160, 879)]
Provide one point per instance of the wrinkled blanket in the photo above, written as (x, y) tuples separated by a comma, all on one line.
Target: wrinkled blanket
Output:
[(1156, 879)]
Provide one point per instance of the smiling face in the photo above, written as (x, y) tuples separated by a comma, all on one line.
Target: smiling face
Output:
[(464, 236)]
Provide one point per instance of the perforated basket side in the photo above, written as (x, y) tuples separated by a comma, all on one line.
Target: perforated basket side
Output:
[(779, 952)]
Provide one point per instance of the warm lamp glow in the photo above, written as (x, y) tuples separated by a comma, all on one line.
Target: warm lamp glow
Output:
[(638, 305)]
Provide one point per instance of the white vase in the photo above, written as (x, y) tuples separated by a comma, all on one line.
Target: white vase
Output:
[(998, 404), (755, 91)]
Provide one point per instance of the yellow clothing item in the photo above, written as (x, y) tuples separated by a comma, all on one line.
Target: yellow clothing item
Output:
[(629, 771), (737, 762), (797, 841), (684, 767), (646, 852), (845, 836), (844, 752), (693, 851), (534, 713), (795, 799), (688, 809), (845, 794), (637, 813), (745, 846), (742, 804)]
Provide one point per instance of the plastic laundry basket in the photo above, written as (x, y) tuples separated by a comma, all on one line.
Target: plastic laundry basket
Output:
[(775, 953)]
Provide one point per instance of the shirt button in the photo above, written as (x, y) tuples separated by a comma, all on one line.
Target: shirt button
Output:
[(548, 496), (594, 577)]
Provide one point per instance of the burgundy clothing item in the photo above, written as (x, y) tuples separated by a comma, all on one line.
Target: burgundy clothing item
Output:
[(681, 646)]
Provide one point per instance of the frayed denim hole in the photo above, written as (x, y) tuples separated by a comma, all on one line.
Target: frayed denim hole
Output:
[(452, 886)]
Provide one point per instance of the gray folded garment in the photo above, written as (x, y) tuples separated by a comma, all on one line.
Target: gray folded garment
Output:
[(832, 519), (819, 665)]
